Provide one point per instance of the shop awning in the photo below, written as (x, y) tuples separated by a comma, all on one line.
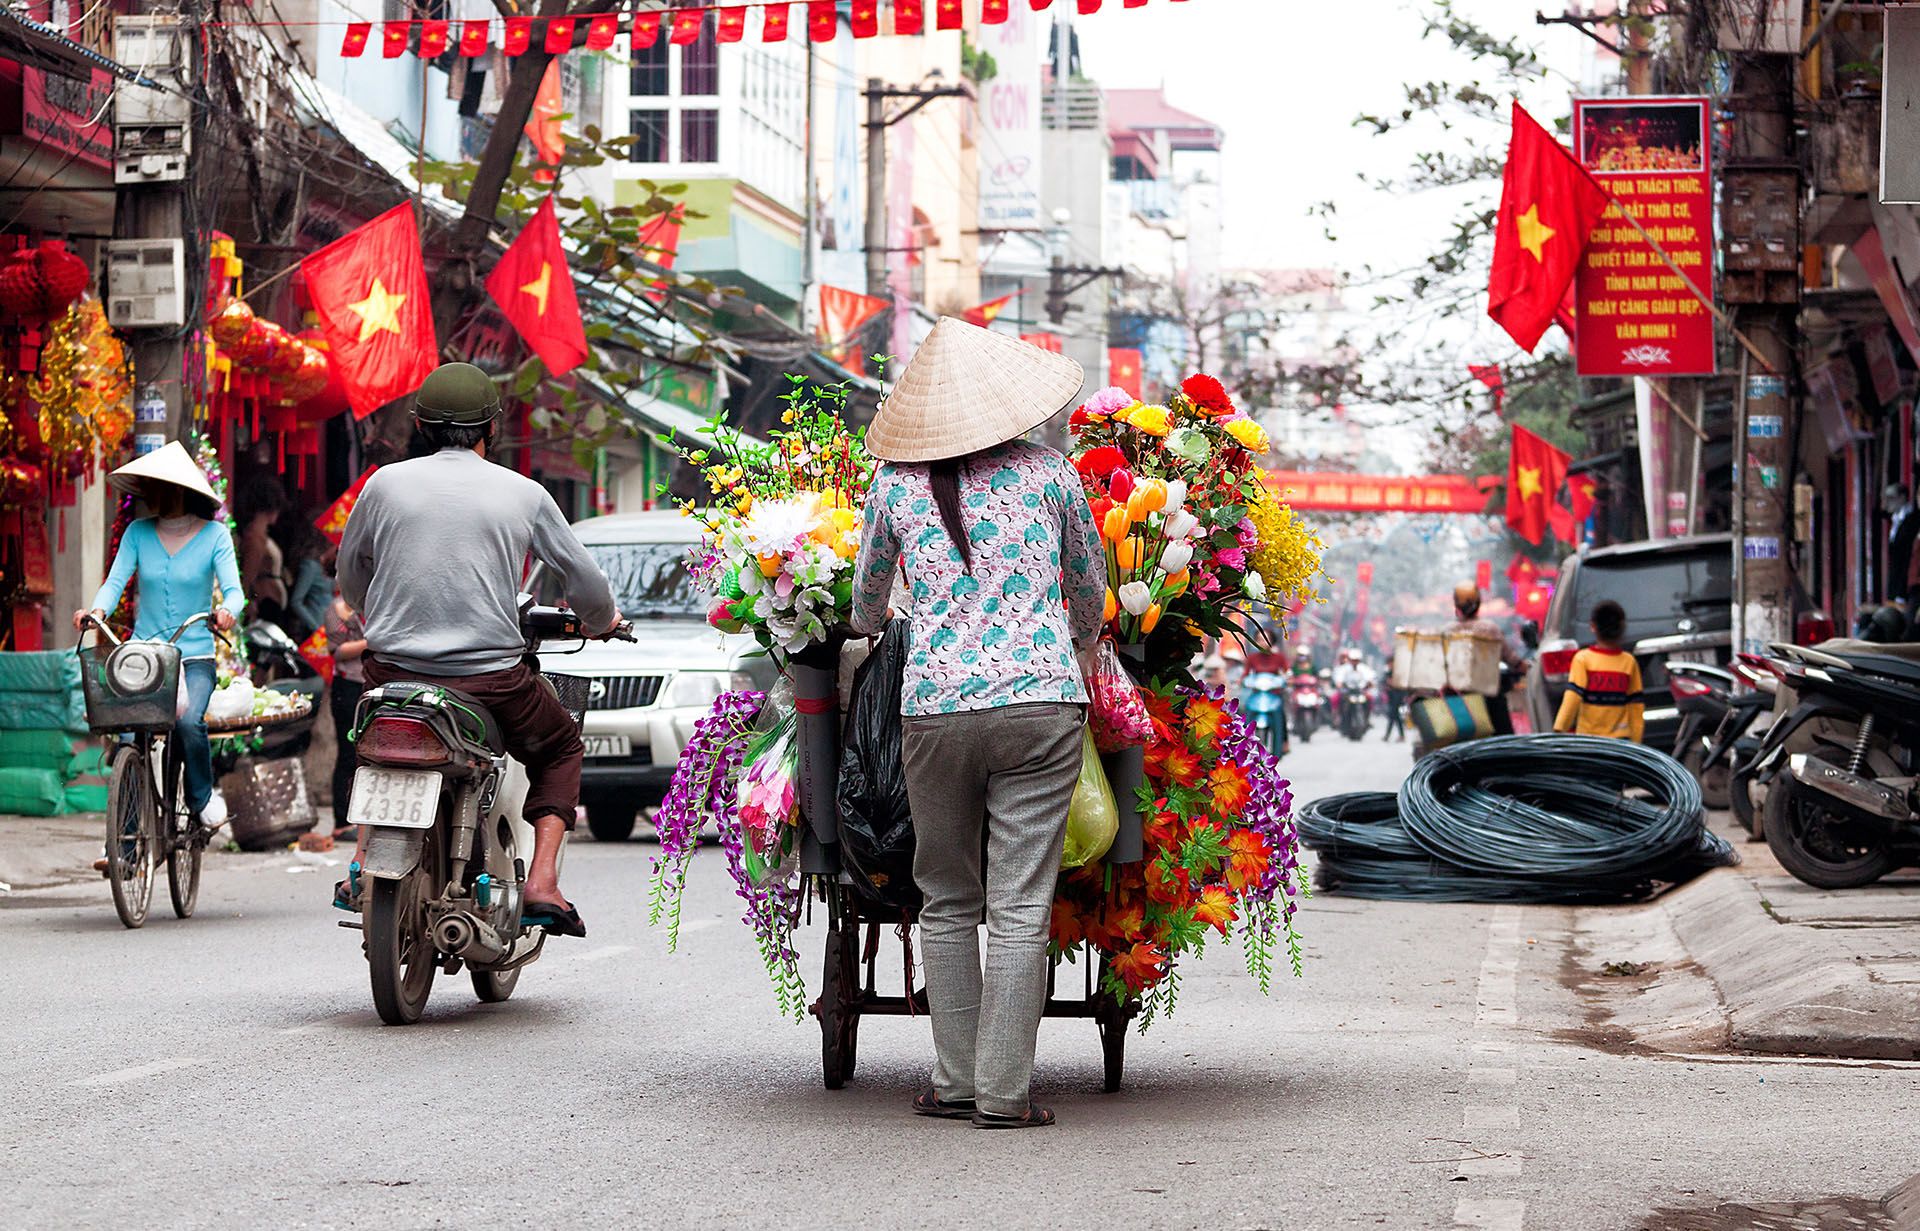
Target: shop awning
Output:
[(47, 49)]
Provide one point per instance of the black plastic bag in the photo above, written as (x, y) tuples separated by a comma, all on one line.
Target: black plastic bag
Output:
[(876, 826)]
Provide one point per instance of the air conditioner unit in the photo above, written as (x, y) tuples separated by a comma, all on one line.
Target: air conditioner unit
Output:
[(146, 283), (152, 129)]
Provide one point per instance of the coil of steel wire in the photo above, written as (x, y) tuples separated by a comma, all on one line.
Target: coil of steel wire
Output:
[(1550, 818)]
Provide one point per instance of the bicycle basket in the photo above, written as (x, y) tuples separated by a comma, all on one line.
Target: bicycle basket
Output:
[(572, 691), (132, 687)]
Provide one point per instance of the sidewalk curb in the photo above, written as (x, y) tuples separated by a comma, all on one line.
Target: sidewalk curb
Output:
[(1790, 988), (1904, 1204)]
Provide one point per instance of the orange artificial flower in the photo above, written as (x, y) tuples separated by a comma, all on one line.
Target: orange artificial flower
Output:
[(1126, 553), (1172, 761), (1230, 789), (1176, 583), (1167, 882), (1117, 523), (1113, 606), (771, 563), (1216, 908), (1151, 618), (1247, 858), (1138, 967), (1069, 925), (1162, 833), (1205, 718)]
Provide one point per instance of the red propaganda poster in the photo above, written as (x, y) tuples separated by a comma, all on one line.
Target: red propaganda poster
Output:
[(1636, 316)]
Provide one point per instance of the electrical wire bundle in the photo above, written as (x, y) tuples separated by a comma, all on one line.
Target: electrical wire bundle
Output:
[(1547, 818)]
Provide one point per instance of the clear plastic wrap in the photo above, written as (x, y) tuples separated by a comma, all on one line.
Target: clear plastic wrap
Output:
[(1116, 713)]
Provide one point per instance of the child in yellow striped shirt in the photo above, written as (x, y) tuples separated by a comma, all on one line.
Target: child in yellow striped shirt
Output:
[(1603, 687)]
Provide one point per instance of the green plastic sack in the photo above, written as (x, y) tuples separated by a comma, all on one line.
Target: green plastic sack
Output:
[(1094, 818), (82, 797), (32, 792), (36, 749)]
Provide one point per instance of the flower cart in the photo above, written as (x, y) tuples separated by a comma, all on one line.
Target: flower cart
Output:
[(1196, 840)]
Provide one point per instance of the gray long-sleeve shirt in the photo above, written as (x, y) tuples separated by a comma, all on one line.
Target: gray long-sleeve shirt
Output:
[(433, 558)]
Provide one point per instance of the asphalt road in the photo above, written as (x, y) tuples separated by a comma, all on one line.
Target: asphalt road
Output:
[(1427, 1072)]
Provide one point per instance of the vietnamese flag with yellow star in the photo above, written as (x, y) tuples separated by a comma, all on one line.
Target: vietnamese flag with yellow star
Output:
[(1535, 471), (534, 289), (1548, 207), (369, 288)]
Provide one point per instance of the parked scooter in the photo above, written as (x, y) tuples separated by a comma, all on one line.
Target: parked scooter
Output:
[(1839, 768), (1704, 695), (440, 884)]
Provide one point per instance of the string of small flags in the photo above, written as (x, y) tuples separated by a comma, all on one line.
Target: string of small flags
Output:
[(430, 39)]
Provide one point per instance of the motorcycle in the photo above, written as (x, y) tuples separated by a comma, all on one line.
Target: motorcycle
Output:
[(1356, 705), (1737, 741), (440, 883), (1307, 706), (1704, 696), (1838, 769), (1264, 698)]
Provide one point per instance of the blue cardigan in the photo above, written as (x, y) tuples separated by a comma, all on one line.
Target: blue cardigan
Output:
[(173, 587)]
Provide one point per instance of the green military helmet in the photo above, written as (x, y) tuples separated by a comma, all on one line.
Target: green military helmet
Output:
[(457, 394)]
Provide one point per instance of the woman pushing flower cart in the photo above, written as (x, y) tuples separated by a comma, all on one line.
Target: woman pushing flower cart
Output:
[(1009, 564)]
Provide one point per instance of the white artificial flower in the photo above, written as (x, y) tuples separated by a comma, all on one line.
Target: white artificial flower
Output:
[(1256, 585), (1181, 525), (1176, 555), (1136, 597), (1176, 496)]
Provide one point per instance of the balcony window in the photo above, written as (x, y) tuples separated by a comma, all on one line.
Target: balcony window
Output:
[(648, 76), (649, 129), (699, 136)]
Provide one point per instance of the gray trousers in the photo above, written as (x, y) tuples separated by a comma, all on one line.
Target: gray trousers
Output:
[(996, 782)]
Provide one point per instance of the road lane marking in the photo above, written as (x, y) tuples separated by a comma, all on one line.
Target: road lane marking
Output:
[(1490, 1128), (138, 1071)]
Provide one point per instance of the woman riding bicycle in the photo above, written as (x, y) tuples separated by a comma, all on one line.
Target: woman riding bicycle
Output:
[(178, 552)]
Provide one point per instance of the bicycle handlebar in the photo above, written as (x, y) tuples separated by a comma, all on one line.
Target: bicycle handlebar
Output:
[(101, 625)]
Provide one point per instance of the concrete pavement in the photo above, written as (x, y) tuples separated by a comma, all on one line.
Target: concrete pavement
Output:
[(1438, 1066)]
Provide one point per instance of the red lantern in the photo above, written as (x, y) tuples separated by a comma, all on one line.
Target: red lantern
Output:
[(39, 284), (331, 398), (311, 378), (286, 364), (230, 324)]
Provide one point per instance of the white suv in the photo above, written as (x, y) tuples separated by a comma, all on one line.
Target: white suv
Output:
[(647, 694)]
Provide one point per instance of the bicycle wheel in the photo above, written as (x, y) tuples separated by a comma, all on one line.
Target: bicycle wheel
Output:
[(185, 843), (129, 835)]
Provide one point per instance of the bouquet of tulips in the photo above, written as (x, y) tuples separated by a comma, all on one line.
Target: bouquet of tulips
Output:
[(784, 526), (1184, 510)]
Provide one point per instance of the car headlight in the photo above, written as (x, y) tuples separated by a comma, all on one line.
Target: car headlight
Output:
[(696, 688)]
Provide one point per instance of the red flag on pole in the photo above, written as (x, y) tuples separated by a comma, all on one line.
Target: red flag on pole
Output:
[(1580, 489), (1535, 471), (473, 38), (534, 288), (543, 125), (355, 42), (1563, 315), (984, 314), (909, 17), (1123, 368), (369, 289), (1548, 206), (843, 312), (774, 29), (659, 243), (1489, 374)]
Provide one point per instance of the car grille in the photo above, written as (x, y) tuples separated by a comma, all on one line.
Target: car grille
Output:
[(623, 692)]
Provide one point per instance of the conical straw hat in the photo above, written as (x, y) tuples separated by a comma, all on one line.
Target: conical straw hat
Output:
[(169, 464), (968, 389)]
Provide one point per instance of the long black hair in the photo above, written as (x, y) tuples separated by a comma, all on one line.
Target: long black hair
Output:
[(944, 477)]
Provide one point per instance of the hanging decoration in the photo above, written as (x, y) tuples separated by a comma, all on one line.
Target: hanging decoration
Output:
[(555, 35)]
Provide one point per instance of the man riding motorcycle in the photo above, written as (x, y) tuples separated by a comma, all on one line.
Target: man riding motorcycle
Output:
[(433, 554), (1350, 672)]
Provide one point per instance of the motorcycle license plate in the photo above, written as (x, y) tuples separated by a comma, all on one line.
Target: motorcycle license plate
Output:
[(607, 745), (400, 798)]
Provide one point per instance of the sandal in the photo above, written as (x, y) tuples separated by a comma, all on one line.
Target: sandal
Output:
[(929, 1103), (556, 920), (1035, 1116), (346, 891)]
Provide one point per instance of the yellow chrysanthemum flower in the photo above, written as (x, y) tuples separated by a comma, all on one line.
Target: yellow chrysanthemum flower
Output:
[(1287, 555), (1249, 435)]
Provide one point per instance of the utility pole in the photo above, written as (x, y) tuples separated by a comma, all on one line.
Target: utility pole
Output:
[(879, 94), (1760, 226)]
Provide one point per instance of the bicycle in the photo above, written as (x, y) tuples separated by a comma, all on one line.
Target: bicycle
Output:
[(131, 692)]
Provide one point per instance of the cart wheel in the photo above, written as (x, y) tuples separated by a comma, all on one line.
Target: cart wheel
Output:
[(838, 1016), (1111, 1017)]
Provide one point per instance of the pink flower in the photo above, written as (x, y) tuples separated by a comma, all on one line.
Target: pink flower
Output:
[(1208, 584), (1234, 558), (1107, 401), (1247, 532)]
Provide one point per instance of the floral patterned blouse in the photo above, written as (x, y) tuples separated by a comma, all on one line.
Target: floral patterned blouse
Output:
[(1003, 634)]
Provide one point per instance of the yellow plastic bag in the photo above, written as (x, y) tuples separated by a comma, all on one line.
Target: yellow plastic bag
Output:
[(1094, 818)]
